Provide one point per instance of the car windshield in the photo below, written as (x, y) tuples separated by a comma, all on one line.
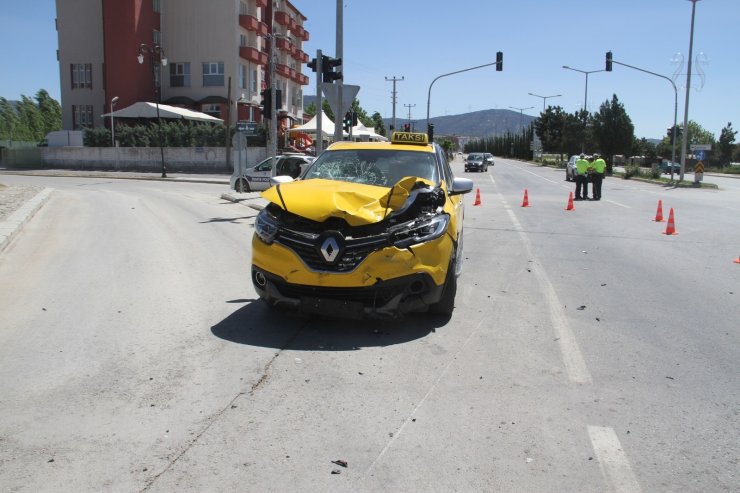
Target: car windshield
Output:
[(475, 157), (373, 167)]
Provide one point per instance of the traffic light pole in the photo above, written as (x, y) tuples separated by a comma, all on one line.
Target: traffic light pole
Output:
[(429, 94), (675, 111), (340, 82), (319, 141), (273, 103)]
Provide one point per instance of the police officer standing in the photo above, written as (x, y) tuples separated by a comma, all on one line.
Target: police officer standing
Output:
[(582, 178), (599, 170)]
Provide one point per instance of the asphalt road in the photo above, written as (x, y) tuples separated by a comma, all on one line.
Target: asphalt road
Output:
[(588, 351)]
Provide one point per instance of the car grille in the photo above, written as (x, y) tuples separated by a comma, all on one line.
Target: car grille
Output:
[(308, 247)]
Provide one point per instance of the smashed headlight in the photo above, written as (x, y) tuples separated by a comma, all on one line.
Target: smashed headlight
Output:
[(419, 230), (266, 226)]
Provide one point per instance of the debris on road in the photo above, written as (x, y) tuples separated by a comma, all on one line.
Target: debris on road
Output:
[(340, 462)]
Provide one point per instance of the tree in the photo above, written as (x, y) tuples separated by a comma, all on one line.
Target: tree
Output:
[(549, 128), (378, 123), (613, 131), (726, 143)]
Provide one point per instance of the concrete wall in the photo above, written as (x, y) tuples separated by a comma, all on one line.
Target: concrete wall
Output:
[(184, 159)]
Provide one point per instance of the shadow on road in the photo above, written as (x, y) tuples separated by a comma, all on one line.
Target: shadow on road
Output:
[(256, 324)]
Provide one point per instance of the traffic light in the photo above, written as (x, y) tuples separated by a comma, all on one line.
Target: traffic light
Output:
[(347, 122), (430, 132), (499, 61), (407, 127), (278, 98), (312, 65), (265, 104), (608, 61), (328, 65)]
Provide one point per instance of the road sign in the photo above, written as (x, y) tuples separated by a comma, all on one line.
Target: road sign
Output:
[(700, 155), (249, 128), (701, 147), (331, 91)]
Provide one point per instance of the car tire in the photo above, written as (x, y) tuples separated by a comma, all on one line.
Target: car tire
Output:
[(446, 304), (242, 186)]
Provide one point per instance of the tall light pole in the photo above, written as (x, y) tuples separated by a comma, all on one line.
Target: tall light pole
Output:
[(544, 98), (521, 113), (688, 88), (112, 128), (585, 100), (157, 58)]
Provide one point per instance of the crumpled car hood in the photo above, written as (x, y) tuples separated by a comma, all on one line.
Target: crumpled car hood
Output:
[(358, 204)]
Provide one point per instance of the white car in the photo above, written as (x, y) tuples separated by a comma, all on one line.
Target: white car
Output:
[(257, 178)]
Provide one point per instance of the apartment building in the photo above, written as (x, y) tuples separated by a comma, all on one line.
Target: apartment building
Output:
[(206, 44)]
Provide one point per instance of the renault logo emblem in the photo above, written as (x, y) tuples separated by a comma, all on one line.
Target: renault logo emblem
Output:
[(330, 249)]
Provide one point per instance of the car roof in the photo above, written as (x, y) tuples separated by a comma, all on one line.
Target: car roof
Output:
[(347, 145)]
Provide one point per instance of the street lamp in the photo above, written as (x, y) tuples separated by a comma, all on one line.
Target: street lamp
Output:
[(112, 128), (688, 90), (521, 111), (544, 98), (585, 100), (156, 56)]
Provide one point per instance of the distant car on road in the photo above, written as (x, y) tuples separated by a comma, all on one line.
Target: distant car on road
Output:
[(665, 167), (489, 159), (476, 162), (257, 177), (570, 168)]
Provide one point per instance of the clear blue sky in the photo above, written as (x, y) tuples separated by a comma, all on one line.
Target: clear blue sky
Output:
[(421, 39)]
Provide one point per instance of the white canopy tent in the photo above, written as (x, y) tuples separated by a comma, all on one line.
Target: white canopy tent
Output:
[(363, 133), (327, 127), (149, 110)]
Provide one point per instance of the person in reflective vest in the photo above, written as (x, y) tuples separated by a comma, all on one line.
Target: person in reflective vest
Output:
[(582, 178), (597, 177)]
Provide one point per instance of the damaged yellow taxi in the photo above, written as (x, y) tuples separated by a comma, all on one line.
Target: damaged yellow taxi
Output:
[(372, 230)]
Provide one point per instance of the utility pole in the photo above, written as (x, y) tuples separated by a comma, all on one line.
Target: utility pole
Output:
[(340, 82), (393, 98), (688, 90), (409, 106)]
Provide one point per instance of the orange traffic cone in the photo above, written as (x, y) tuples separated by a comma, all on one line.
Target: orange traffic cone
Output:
[(659, 212), (525, 202), (477, 197), (570, 203), (671, 227), (737, 260)]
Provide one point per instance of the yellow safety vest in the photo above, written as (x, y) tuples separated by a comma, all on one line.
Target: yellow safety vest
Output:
[(582, 166), (599, 165)]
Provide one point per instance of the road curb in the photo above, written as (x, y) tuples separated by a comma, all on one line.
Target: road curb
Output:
[(249, 199), (13, 224)]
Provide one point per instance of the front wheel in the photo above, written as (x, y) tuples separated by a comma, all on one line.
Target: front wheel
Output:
[(446, 304)]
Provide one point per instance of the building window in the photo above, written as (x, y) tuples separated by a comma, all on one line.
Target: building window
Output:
[(82, 116), (253, 85), (156, 6), (243, 9), (180, 74), (242, 76), (212, 109), (157, 37), (81, 75), (242, 40), (213, 74)]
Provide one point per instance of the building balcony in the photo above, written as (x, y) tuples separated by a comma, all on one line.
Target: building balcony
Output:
[(285, 45), (282, 18), (251, 23), (298, 31), (253, 55), (261, 3), (301, 79), (283, 70), (300, 56)]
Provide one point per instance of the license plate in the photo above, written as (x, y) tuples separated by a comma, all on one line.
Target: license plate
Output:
[(331, 307)]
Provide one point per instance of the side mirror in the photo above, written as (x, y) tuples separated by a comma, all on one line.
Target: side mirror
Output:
[(461, 186)]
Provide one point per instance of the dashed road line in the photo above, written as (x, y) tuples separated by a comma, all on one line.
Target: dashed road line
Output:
[(612, 460)]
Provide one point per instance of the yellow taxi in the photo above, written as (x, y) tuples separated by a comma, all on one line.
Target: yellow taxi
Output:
[(372, 230)]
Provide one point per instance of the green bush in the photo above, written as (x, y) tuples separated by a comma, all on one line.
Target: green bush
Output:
[(631, 170)]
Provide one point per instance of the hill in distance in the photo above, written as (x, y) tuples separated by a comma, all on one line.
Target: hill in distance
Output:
[(484, 123)]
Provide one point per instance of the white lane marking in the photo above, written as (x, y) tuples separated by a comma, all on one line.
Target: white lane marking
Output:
[(617, 203), (492, 180), (575, 365), (612, 460), (538, 176)]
